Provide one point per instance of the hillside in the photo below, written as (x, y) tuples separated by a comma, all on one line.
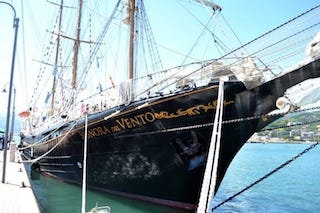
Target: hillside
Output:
[(301, 117), (3, 120), (295, 126)]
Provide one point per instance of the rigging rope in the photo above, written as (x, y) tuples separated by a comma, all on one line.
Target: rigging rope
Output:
[(96, 47), (145, 29), (269, 32), (285, 39), (197, 40), (47, 55)]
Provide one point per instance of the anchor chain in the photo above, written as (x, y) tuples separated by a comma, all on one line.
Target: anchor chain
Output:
[(223, 122), (289, 126), (269, 115), (297, 124), (267, 175)]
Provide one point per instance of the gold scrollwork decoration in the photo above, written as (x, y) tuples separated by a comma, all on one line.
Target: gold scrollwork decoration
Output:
[(196, 110)]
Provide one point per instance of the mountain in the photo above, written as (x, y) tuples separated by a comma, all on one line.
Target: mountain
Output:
[(297, 118), (17, 122)]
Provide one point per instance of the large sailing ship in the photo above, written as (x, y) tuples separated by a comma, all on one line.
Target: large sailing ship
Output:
[(149, 136)]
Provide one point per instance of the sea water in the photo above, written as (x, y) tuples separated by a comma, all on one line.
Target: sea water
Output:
[(295, 188)]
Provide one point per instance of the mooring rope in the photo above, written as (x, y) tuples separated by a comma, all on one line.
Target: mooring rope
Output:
[(52, 148), (210, 174), (37, 143)]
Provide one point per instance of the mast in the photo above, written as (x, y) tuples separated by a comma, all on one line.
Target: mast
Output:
[(53, 91), (132, 9), (76, 53)]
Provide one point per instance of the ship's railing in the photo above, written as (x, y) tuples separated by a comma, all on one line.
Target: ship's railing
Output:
[(266, 57), (250, 70), (158, 84)]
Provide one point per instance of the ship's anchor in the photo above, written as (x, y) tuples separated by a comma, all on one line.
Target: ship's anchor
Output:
[(35, 166)]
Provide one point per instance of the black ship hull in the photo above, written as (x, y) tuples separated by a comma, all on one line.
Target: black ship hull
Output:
[(156, 151)]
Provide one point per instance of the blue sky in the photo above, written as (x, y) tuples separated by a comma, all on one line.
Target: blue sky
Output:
[(247, 18), (251, 18)]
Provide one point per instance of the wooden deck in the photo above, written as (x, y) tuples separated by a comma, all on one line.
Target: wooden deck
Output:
[(16, 194)]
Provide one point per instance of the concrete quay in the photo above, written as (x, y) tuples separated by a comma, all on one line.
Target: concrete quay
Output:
[(16, 194)]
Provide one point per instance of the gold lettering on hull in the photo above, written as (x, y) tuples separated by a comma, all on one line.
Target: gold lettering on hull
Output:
[(149, 117)]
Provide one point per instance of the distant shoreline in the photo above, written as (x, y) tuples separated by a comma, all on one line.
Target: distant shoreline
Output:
[(282, 142)]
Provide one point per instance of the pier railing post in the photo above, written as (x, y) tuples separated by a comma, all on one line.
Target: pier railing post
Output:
[(16, 26)]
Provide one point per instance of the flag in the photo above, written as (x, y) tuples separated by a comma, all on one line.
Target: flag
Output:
[(55, 70), (24, 114), (47, 97), (84, 108), (99, 87)]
